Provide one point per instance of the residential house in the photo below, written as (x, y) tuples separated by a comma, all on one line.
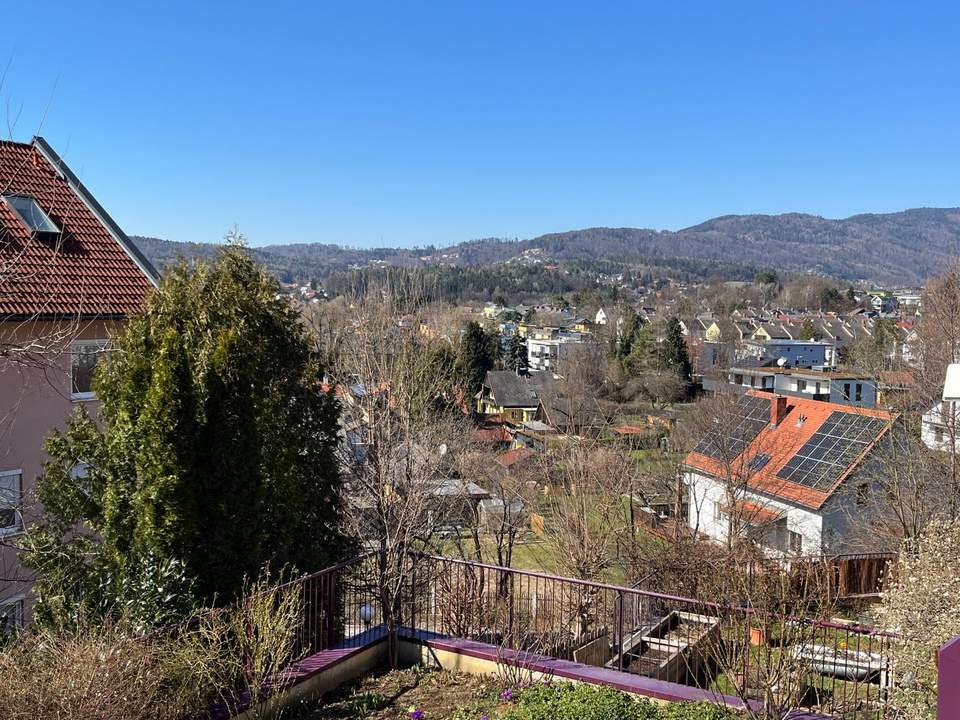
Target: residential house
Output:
[(852, 389), (779, 471), (883, 302), (514, 398), (802, 353), (547, 347), (939, 426), (601, 317), (69, 277)]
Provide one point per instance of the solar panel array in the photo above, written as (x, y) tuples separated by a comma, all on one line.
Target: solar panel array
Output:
[(830, 451), (728, 441)]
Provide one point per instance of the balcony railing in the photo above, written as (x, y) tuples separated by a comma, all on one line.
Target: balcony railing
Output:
[(776, 661)]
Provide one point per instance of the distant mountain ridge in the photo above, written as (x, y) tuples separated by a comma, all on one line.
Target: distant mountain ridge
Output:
[(892, 248)]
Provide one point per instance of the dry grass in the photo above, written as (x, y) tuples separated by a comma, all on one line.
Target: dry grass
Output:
[(440, 695)]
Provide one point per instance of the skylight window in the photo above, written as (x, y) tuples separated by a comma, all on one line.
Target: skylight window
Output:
[(36, 220)]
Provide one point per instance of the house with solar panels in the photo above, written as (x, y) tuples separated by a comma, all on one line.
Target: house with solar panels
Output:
[(783, 472)]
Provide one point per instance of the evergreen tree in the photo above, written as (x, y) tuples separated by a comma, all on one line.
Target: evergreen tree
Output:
[(641, 351), (515, 358), (476, 355), (674, 354), (213, 455), (808, 330), (632, 324)]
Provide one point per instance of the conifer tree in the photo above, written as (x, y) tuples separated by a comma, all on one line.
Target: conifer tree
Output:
[(674, 353), (213, 455), (516, 357), (477, 355)]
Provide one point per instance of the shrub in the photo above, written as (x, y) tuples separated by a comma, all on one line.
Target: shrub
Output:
[(697, 711), (102, 673), (565, 701), (922, 606), (110, 672)]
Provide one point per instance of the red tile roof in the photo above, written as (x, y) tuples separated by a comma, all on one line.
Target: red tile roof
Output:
[(495, 434), (512, 457), (782, 443), (90, 269)]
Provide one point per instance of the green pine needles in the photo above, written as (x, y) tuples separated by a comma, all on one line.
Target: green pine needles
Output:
[(213, 456)]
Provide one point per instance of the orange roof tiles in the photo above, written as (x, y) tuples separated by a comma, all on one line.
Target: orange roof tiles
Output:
[(83, 271), (781, 443), (495, 434), (512, 457)]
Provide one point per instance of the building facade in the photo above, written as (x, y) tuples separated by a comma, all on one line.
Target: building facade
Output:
[(68, 279)]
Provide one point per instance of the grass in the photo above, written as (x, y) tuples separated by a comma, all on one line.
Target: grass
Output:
[(655, 462), (393, 695)]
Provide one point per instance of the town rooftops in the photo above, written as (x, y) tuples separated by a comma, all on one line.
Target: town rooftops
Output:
[(790, 448), (60, 252)]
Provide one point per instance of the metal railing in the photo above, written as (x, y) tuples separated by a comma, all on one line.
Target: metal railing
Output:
[(771, 661)]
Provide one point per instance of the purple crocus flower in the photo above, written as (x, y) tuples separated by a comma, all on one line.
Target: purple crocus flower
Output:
[(415, 714), (507, 694)]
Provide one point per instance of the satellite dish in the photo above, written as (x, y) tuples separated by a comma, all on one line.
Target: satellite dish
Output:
[(781, 361)]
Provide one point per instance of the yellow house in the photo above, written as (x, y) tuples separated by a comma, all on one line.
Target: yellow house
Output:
[(516, 399)]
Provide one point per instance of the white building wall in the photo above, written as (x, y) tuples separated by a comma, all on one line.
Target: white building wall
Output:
[(934, 429), (707, 494)]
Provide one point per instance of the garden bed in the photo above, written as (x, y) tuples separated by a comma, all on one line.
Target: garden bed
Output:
[(420, 694), (386, 695)]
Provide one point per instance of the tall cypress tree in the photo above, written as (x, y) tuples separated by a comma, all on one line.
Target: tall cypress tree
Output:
[(674, 353), (214, 454), (477, 354)]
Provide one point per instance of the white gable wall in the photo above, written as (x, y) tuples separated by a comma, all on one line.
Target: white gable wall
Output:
[(705, 493)]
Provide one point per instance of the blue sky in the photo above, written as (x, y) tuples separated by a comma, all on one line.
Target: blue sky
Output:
[(404, 123)]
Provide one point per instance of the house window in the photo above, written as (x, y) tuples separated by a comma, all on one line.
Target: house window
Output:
[(11, 495), (719, 515), (863, 494), (83, 359), (859, 392), (801, 385), (36, 220), (794, 542), (11, 616), (938, 434), (846, 391)]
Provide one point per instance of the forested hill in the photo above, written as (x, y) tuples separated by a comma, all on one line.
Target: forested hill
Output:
[(903, 247)]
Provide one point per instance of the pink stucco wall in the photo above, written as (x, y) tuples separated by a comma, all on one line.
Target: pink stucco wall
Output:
[(35, 398)]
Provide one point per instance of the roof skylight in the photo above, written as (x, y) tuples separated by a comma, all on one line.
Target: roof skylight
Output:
[(36, 220)]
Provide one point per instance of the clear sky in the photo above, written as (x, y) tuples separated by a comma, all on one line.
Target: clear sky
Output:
[(407, 123)]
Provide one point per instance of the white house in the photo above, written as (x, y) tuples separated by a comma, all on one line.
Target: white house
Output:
[(773, 472), (601, 318), (935, 427)]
